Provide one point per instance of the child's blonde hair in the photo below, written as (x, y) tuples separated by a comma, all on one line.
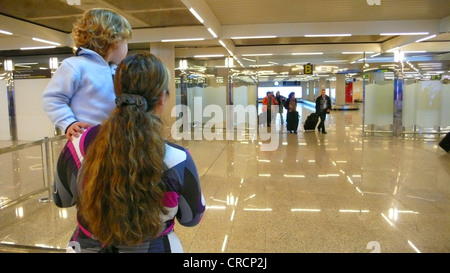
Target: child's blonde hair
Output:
[(99, 29)]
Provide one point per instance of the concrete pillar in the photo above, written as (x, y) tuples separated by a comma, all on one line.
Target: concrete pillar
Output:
[(12, 113), (166, 52), (322, 84), (311, 90), (340, 89), (398, 107), (315, 90), (304, 90)]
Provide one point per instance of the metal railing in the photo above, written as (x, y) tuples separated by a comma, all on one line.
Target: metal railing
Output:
[(9, 248), (48, 167)]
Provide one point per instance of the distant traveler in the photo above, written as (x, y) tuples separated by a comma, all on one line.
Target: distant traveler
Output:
[(128, 184), (280, 100), (268, 101), (292, 113), (81, 93), (323, 107)]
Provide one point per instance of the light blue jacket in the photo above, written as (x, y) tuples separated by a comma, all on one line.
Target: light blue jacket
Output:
[(81, 89)]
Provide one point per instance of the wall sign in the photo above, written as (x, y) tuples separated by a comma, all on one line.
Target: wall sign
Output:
[(32, 74), (308, 69)]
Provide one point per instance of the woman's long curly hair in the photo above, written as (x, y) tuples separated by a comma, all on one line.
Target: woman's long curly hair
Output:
[(99, 29), (120, 189)]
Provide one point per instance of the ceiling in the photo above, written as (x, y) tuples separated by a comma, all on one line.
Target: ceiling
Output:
[(284, 28)]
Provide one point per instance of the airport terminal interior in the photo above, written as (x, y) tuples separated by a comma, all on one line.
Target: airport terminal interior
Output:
[(378, 181)]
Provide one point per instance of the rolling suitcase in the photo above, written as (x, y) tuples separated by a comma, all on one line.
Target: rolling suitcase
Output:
[(445, 143), (311, 122)]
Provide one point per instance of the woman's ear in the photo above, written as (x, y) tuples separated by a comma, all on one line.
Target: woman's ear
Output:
[(163, 98), (161, 103)]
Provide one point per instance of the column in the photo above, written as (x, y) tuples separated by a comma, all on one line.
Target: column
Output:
[(340, 89), (316, 89), (229, 97), (322, 85), (304, 90), (184, 100), (398, 106), (8, 66), (311, 90), (166, 52)]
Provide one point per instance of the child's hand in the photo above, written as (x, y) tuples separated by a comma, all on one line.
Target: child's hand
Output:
[(76, 129)]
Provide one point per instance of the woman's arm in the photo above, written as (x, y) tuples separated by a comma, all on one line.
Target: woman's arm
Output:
[(191, 201)]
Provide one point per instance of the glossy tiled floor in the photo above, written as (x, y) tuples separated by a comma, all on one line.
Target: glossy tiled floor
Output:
[(339, 192)]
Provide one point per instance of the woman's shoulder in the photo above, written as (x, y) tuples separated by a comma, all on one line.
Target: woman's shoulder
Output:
[(175, 154)]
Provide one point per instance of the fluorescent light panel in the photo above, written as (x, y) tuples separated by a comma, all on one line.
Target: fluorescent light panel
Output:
[(250, 60), (253, 37), (426, 38), (212, 32), (46, 42), (209, 56), (5, 32), (222, 43), (328, 35), (182, 40), (36, 47), (404, 33), (308, 53), (263, 54), (356, 52), (196, 15)]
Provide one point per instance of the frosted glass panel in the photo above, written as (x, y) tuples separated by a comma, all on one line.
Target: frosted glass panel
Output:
[(245, 96), (445, 109), (379, 104), (209, 96), (425, 105), (409, 104), (428, 103), (240, 96)]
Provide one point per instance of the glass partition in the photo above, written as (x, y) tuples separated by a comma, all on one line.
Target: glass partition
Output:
[(378, 102), (208, 92), (425, 107), (405, 107)]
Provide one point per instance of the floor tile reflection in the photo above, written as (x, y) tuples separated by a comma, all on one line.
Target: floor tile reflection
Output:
[(315, 193)]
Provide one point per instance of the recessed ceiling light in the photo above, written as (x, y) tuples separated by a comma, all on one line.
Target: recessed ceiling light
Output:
[(253, 37), (308, 53), (36, 47), (196, 15), (404, 33), (328, 35), (5, 32), (182, 40), (45, 41)]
